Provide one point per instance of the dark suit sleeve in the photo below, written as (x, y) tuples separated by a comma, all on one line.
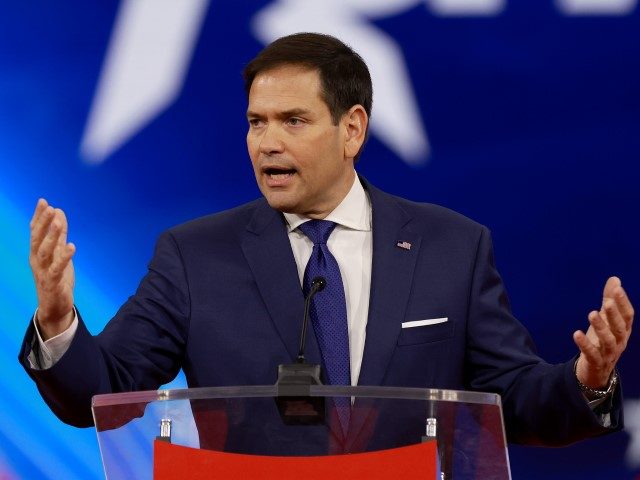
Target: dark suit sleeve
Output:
[(542, 403), (141, 348)]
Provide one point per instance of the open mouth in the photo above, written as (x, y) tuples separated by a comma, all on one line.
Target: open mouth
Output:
[(277, 173)]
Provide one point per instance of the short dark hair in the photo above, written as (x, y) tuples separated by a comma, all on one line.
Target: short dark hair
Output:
[(344, 77)]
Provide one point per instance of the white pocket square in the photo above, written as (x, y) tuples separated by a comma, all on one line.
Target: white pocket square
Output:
[(422, 323)]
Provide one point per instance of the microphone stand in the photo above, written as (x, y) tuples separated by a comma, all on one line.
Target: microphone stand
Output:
[(293, 387)]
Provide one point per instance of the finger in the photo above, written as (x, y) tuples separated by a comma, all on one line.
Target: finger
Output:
[(625, 307), (40, 228), (47, 249), (617, 325), (606, 339), (64, 226), (40, 206), (61, 261), (608, 293), (609, 288), (587, 348)]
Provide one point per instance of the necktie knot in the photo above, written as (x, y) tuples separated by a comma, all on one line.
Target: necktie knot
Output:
[(317, 231)]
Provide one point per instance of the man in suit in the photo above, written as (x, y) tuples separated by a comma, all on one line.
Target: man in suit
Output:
[(421, 303)]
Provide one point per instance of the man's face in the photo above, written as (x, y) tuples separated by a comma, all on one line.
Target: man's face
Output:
[(298, 154)]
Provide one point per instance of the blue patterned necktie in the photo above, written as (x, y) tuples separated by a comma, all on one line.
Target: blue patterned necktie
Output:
[(329, 311)]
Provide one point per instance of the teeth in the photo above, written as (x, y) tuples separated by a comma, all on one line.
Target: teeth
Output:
[(280, 176)]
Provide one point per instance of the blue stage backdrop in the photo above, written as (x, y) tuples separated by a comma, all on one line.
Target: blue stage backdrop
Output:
[(521, 114)]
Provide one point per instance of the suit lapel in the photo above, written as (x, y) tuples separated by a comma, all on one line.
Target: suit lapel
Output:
[(391, 279), (267, 249)]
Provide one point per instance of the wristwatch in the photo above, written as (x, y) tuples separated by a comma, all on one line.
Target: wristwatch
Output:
[(596, 394)]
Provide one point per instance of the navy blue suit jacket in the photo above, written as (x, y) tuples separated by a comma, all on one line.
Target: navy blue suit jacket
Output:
[(223, 301)]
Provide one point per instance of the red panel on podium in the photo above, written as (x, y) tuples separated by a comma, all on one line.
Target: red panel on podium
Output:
[(174, 462)]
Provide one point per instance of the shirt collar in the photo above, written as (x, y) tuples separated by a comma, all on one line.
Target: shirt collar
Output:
[(353, 212)]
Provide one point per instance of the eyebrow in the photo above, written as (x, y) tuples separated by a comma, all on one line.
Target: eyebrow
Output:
[(294, 112)]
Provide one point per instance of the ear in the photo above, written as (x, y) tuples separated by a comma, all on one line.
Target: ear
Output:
[(355, 123)]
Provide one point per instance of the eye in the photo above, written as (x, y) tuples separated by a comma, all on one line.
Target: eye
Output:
[(295, 121)]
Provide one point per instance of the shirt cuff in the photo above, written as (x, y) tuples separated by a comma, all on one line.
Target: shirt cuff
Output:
[(52, 350), (604, 417)]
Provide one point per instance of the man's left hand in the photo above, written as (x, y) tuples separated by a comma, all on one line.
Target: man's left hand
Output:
[(606, 338)]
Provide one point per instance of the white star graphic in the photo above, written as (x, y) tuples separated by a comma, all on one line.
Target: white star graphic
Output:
[(152, 42), (148, 56)]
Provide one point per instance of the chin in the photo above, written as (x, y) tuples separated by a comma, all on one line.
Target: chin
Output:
[(282, 204)]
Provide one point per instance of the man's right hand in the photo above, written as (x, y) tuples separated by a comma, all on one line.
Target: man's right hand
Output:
[(50, 260)]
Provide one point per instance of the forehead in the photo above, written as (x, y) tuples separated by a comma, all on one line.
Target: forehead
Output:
[(284, 87)]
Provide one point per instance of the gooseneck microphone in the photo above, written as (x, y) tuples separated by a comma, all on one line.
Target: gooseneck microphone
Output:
[(294, 400), (317, 285)]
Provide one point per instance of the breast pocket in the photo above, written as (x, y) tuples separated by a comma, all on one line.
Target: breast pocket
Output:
[(425, 331)]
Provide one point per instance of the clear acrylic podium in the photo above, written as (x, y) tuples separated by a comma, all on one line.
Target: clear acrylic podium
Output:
[(465, 428)]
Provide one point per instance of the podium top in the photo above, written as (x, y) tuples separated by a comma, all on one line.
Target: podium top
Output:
[(253, 391), (253, 420)]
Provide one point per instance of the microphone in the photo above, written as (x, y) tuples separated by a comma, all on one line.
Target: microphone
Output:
[(317, 285), (293, 387)]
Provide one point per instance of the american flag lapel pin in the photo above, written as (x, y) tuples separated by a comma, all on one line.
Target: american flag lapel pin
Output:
[(404, 245)]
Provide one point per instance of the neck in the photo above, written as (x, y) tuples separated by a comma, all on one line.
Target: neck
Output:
[(341, 192)]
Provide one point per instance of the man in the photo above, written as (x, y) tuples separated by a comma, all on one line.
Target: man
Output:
[(421, 303)]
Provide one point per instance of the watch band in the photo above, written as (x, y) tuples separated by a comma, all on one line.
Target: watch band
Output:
[(593, 393)]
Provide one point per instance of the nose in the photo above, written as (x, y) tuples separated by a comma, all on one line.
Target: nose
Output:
[(271, 141)]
